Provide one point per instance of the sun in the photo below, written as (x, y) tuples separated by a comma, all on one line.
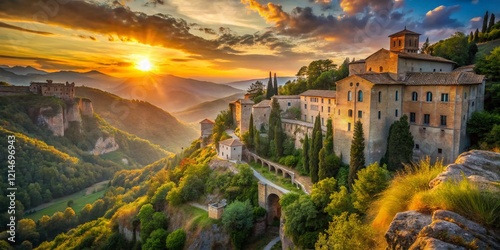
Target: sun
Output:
[(144, 65)]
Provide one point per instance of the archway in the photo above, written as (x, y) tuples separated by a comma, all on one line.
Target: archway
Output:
[(273, 209)]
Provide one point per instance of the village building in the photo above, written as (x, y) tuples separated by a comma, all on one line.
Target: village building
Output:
[(437, 100), (230, 149), (207, 127), (64, 91)]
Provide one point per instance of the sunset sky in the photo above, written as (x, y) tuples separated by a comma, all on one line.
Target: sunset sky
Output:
[(217, 40)]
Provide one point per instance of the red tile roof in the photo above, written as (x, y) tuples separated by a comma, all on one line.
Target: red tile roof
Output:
[(438, 78), (207, 121)]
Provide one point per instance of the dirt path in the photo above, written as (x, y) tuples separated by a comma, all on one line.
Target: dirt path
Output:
[(87, 191)]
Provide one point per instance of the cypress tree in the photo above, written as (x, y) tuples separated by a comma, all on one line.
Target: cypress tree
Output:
[(273, 118), (357, 161), (314, 161), (476, 35), (399, 144), (485, 23), (328, 162), (329, 137), (471, 37), (256, 140), (278, 138), (305, 153), (492, 22), (270, 89), (250, 132), (425, 47), (275, 85)]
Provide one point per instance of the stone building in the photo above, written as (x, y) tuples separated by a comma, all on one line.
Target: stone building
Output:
[(215, 210), (241, 110), (314, 102), (206, 127), (230, 149), (64, 91), (261, 112), (389, 83)]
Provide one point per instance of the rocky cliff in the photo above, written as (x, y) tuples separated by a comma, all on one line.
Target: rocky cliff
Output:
[(58, 118), (444, 229)]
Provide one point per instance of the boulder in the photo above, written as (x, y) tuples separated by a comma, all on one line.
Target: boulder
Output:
[(404, 229), (479, 167)]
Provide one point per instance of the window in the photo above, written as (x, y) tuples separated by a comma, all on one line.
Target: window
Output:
[(314, 99), (380, 96), (440, 150), (305, 106), (465, 95), (349, 112), (312, 118), (443, 120), (394, 44), (379, 115), (399, 42), (412, 117), (329, 101), (414, 96), (349, 95), (322, 121), (397, 95), (472, 104), (348, 126), (370, 69), (434, 70), (429, 96), (381, 69), (427, 119), (321, 108), (360, 96), (417, 146), (289, 104), (444, 97), (360, 114), (396, 113), (328, 109), (234, 148), (321, 100), (410, 42)]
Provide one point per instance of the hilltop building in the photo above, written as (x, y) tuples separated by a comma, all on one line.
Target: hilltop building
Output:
[(207, 127), (230, 149), (378, 91), (61, 90)]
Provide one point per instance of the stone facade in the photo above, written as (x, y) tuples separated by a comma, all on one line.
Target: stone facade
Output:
[(206, 127), (241, 110), (215, 210), (314, 102), (261, 112), (230, 149)]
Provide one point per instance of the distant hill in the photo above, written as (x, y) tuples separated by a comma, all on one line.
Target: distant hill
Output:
[(19, 70), (244, 85), (140, 118), (208, 109)]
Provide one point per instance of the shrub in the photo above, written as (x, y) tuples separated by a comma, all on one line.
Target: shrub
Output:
[(176, 240), (347, 232)]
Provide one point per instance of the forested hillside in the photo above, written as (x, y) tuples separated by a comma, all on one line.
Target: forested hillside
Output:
[(140, 118)]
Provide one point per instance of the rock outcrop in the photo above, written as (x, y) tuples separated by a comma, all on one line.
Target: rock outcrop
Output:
[(446, 229), (53, 119), (479, 167), (104, 146)]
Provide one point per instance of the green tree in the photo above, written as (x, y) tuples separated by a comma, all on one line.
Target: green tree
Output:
[(255, 90), (176, 240), (321, 192), (490, 65), (340, 202), (159, 198), (347, 232), (223, 121), (314, 158), (256, 141), (357, 157), (343, 71), (237, 219), (370, 182), (399, 144), (476, 35), (302, 221), (156, 240), (270, 88), (305, 154), (454, 48), (492, 22), (471, 37), (279, 138), (479, 126), (251, 133), (26, 230), (273, 118), (275, 85), (425, 47), (485, 23)]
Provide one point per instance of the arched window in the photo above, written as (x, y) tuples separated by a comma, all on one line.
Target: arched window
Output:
[(370, 69), (414, 96), (381, 69), (360, 96), (380, 96), (429, 96), (349, 96)]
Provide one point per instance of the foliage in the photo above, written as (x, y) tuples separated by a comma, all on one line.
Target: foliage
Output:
[(302, 221), (278, 138), (340, 202), (176, 240), (399, 144), (256, 89), (243, 186), (425, 47), (223, 121), (305, 154), (294, 87), (321, 192), (156, 240), (347, 231), (357, 160), (396, 198), (315, 147), (237, 219), (490, 65), (479, 126), (462, 197), (370, 182), (270, 88), (455, 48)]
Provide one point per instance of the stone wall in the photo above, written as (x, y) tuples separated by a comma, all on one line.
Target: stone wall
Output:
[(14, 90)]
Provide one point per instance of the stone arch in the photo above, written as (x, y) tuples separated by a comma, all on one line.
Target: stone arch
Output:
[(287, 175), (279, 171), (272, 168), (273, 208)]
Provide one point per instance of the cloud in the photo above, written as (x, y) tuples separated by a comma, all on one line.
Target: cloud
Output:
[(440, 18), (9, 26), (380, 7)]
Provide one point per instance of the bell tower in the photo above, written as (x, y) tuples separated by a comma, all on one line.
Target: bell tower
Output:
[(405, 41)]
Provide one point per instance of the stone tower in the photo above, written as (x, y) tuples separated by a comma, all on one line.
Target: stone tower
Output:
[(404, 41)]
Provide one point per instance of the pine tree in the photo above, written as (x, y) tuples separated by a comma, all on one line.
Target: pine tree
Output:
[(485, 23), (278, 138), (399, 144), (357, 161), (471, 37), (314, 165), (275, 85), (476, 35), (251, 132), (270, 89), (425, 47), (305, 153), (492, 22)]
